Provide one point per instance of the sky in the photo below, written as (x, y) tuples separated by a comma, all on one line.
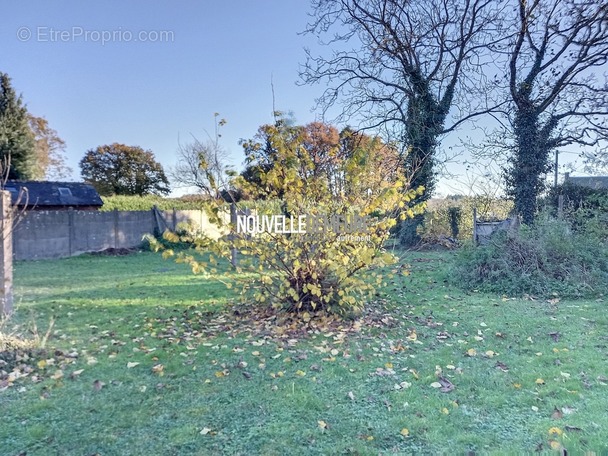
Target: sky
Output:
[(153, 73)]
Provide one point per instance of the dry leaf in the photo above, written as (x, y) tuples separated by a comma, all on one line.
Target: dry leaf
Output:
[(98, 385), (57, 375), (132, 365), (405, 432), (322, 424), (446, 385), (557, 414), (76, 373), (554, 444)]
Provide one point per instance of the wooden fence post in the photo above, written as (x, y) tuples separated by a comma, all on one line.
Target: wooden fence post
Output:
[(475, 225), (233, 221), (6, 255)]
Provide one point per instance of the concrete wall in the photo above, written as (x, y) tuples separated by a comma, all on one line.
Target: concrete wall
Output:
[(56, 234)]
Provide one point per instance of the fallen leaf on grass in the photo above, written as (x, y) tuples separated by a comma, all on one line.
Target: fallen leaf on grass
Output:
[(446, 385), (158, 369), (502, 366), (131, 365), (405, 432), (98, 385), (76, 373), (555, 431), (557, 414), (554, 444), (539, 381), (323, 425), (471, 352), (57, 375)]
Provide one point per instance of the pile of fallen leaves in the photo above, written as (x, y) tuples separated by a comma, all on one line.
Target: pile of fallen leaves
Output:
[(193, 324), (10, 342)]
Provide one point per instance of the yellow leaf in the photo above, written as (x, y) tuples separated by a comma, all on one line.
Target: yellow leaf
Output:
[(490, 354), (41, 364), (132, 365), (471, 352), (322, 424), (57, 375), (555, 431), (436, 385), (555, 445), (540, 381), (517, 385), (388, 365), (445, 411), (220, 374), (300, 373), (405, 432)]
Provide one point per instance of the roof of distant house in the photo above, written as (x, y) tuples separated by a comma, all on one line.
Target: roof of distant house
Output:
[(595, 182), (56, 194)]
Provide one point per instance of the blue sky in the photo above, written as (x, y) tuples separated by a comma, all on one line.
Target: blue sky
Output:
[(200, 58), (216, 57)]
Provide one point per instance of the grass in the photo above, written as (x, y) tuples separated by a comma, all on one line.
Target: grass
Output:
[(528, 375)]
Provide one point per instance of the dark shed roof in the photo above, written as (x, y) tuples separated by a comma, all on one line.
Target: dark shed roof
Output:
[(44, 194)]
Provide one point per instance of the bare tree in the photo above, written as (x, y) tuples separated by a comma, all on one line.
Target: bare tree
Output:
[(414, 69), (202, 165), (557, 92)]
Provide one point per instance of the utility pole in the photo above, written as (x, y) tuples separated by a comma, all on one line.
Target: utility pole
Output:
[(556, 167)]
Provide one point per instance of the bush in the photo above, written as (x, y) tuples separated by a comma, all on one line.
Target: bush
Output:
[(327, 269), (550, 258)]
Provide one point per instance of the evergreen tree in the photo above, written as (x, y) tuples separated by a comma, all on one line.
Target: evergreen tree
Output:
[(16, 136)]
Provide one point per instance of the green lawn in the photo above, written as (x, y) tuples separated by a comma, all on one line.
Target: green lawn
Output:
[(146, 359)]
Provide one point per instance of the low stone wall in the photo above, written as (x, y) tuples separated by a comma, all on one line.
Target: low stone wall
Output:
[(56, 234)]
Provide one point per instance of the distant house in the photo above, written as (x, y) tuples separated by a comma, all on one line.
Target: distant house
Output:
[(55, 195), (594, 182)]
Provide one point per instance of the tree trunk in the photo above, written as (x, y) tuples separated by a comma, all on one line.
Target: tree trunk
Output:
[(530, 163)]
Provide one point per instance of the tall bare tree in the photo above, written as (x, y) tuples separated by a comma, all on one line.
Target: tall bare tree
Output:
[(558, 93), (413, 68), (202, 164)]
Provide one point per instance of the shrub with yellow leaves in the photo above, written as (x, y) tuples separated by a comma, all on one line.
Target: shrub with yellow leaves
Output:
[(323, 206)]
